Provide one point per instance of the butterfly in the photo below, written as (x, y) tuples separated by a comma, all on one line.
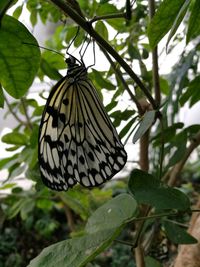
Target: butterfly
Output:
[(77, 140)]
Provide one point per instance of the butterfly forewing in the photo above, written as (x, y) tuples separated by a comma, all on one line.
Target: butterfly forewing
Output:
[(77, 141)]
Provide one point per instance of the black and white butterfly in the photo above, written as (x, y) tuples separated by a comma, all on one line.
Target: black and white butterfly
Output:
[(77, 140)]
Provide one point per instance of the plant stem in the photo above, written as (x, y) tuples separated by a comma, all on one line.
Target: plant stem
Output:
[(155, 72), (108, 16), (173, 174), (12, 112), (88, 28), (26, 114)]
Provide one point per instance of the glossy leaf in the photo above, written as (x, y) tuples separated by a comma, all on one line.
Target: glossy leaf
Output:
[(146, 123), (177, 234), (76, 252), (19, 62), (113, 214), (193, 25), (178, 20), (163, 20), (101, 29), (148, 190)]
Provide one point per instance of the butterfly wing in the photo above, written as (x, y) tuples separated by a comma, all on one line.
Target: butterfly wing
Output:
[(77, 141), (50, 148)]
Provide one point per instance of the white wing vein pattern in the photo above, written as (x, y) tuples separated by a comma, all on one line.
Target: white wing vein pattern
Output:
[(77, 140)]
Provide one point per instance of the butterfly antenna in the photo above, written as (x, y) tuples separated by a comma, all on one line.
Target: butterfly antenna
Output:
[(45, 48)]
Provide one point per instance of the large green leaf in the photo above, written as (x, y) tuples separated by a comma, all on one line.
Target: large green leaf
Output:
[(113, 214), (163, 20), (194, 25), (75, 252), (147, 190), (103, 226), (177, 234), (19, 62), (178, 20)]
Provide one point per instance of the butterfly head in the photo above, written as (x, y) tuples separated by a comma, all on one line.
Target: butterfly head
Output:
[(76, 68)]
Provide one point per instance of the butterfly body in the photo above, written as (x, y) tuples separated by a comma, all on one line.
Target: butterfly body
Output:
[(77, 141)]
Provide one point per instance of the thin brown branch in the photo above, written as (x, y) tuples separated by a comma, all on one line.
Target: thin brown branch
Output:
[(124, 242), (13, 113), (28, 121), (176, 170), (144, 211), (103, 43), (172, 175), (155, 70), (108, 16)]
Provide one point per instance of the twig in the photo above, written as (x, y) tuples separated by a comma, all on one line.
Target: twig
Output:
[(69, 217), (108, 16), (13, 113), (155, 71), (88, 28), (26, 114), (124, 242), (173, 174)]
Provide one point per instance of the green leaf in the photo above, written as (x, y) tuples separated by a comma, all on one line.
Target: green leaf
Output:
[(192, 92), (56, 61), (78, 202), (133, 52), (1, 97), (48, 70), (76, 252), (164, 86), (103, 83), (7, 186), (15, 138), (193, 24), (151, 262), (15, 209), (168, 133), (127, 127), (17, 12), (7, 162), (178, 20), (178, 235), (163, 20), (147, 190), (146, 123), (19, 62), (111, 105), (180, 142), (119, 115), (45, 204), (101, 29), (117, 24), (27, 208), (113, 214)]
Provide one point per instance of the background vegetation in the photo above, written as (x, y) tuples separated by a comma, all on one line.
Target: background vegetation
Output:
[(136, 220)]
